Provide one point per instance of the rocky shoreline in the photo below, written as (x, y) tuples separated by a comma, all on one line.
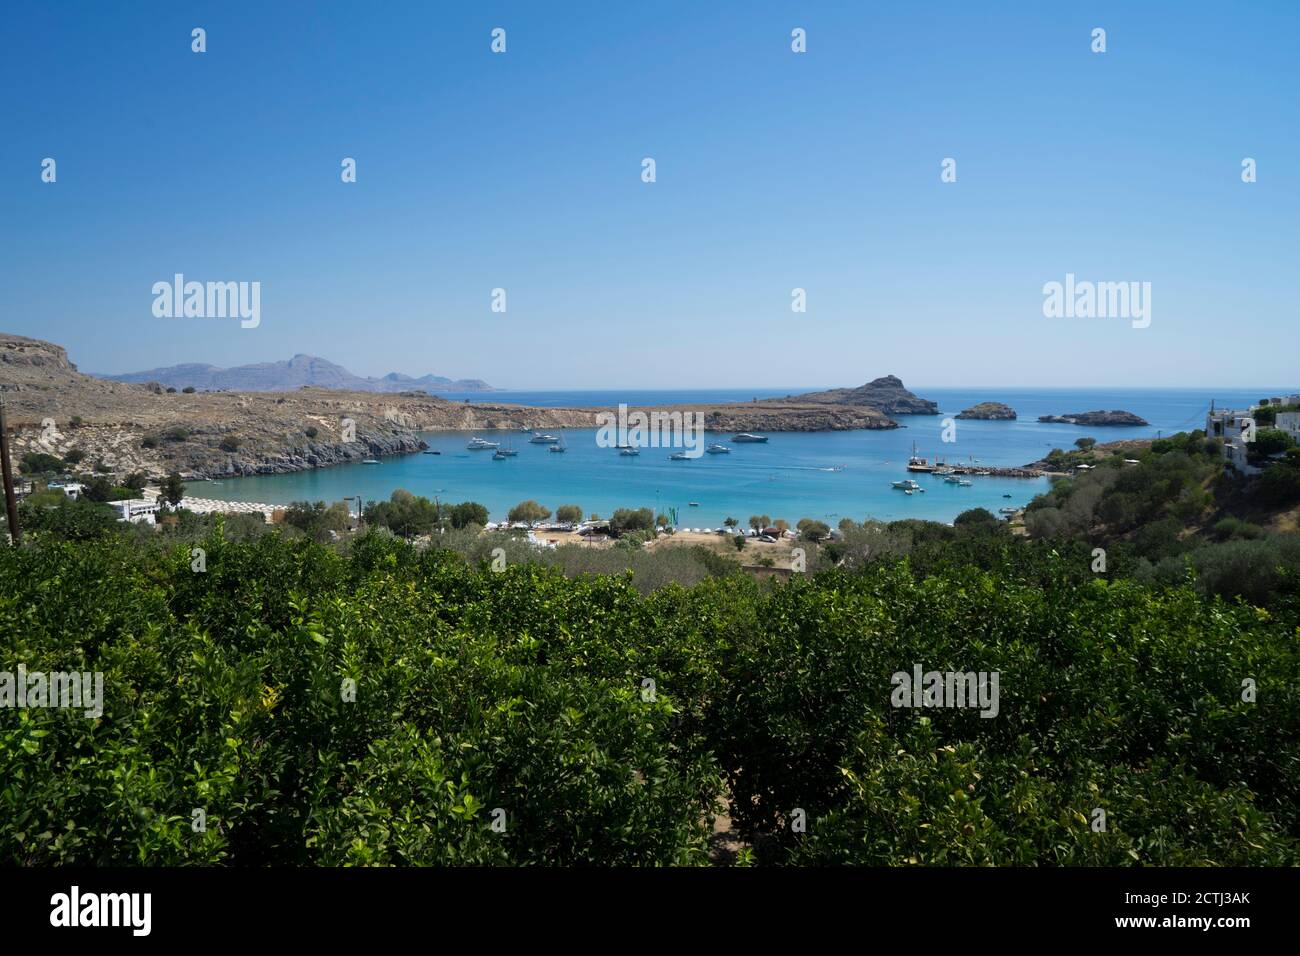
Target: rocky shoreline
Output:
[(120, 427)]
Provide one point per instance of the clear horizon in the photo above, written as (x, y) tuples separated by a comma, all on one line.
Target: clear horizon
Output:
[(775, 171)]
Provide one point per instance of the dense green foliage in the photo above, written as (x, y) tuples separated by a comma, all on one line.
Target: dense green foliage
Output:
[(529, 511), (632, 519), (527, 691), (39, 463), (317, 520), (1177, 510)]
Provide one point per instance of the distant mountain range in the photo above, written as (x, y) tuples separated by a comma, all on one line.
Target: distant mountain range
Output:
[(294, 374)]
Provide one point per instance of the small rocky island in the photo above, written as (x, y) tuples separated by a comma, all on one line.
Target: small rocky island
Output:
[(1095, 418), (990, 411)]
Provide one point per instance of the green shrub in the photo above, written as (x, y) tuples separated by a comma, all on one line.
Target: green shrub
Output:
[(39, 463), (524, 690)]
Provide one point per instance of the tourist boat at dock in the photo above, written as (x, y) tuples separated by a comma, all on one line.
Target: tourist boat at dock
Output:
[(917, 463)]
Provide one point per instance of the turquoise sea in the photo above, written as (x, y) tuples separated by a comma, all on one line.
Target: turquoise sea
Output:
[(822, 475)]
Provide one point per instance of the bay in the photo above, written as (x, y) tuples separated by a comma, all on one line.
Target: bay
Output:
[(820, 475)]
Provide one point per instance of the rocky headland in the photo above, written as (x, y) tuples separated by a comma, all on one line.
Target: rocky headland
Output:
[(124, 427)]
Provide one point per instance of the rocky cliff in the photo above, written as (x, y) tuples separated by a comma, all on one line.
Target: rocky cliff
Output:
[(124, 427), (885, 394)]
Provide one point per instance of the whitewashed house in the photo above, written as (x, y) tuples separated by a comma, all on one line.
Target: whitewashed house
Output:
[(1289, 422), (1230, 425), (136, 510), (72, 489)]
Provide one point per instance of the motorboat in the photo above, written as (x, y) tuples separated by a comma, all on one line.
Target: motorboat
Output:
[(718, 450), (628, 452), (481, 444), (907, 484), (748, 437), (370, 461), (540, 439), (679, 456)]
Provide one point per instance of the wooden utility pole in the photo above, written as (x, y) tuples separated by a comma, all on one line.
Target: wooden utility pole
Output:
[(11, 500)]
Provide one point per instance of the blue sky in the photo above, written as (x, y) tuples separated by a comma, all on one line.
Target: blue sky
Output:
[(775, 170)]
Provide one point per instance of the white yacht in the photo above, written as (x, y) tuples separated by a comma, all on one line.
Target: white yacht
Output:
[(718, 450), (907, 484), (540, 439), (481, 444), (748, 437)]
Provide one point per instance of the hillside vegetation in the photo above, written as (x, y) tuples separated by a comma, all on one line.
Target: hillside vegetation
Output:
[(597, 724)]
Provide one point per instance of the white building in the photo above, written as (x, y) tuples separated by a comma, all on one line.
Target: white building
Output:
[(70, 488), (137, 510), (1289, 422), (1231, 426)]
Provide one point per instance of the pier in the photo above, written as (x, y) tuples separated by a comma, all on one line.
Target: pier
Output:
[(992, 472)]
